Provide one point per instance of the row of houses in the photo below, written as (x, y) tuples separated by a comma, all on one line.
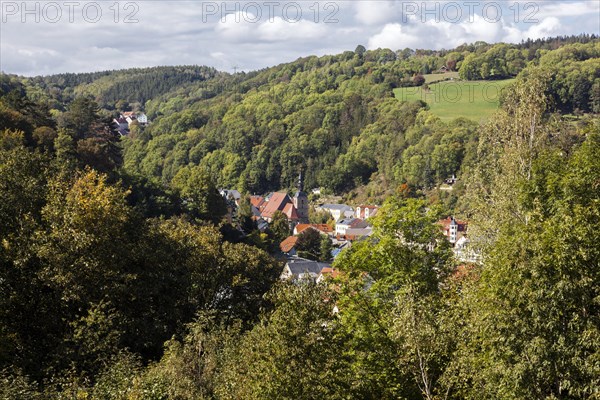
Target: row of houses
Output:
[(343, 211)]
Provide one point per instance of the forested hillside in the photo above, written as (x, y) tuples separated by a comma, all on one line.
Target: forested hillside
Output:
[(335, 118), (114, 88), (120, 278)]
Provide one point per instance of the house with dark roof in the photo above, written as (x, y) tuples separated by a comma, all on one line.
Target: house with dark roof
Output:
[(353, 234), (299, 269), (121, 125), (231, 194)]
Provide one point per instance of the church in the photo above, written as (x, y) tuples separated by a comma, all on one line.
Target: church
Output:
[(295, 208)]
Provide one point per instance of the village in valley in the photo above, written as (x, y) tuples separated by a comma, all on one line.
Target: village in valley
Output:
[(346, 225)]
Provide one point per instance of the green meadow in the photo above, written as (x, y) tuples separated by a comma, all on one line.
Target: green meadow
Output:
[(475, 100)]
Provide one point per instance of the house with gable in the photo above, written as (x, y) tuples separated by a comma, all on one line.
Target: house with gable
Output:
[(279, 201), (300, 269), (328, 273), (131, 116), (121, 125), (364, 212), (142, 118), (288, 246), (231, 194)]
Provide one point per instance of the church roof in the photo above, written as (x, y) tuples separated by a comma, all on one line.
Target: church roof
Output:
[(277, 202), (291, 211)]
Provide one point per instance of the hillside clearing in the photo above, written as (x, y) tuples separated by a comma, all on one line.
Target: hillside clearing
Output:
[(476, 100)]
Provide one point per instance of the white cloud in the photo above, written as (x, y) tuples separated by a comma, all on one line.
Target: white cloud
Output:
[(237, 26), (566, 9), (375, 12), (550, 26), (435, 35), (392, 36), (280, 30)]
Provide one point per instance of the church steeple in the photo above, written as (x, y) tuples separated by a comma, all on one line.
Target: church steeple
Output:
[(301, 200), (300, 182)]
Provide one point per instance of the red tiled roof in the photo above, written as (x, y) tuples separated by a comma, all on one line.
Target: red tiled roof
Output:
[(288, 244), (334, 273), (257, 201), (277, 202), (445, 223), (291, 212), (323, 228)]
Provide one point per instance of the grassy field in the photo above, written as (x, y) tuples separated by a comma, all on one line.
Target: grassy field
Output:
[(476, 100)]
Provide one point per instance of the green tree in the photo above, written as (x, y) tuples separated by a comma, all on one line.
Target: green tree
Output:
[(279, 227), (326, 248), (532, 328), (391, 303), (200, 194), (247, 223), (309, 244), (296, 352)]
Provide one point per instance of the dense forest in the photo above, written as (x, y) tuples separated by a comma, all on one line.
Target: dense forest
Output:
[(119, 278)]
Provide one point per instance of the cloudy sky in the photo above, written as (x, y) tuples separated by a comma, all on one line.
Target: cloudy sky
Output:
[(45, 37)]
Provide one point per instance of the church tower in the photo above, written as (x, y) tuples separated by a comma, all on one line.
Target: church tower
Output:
[(301, 201)]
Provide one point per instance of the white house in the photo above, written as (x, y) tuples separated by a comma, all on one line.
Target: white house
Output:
[(142, 118), (338, 211)]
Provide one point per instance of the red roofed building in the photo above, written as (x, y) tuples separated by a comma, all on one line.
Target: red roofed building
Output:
[(328, 272), (276, 202), (291, 212), (258, 202), (288, 246), (295, 209), (321, 228)]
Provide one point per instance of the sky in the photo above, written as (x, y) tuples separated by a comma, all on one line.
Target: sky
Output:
[(48, 37)]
